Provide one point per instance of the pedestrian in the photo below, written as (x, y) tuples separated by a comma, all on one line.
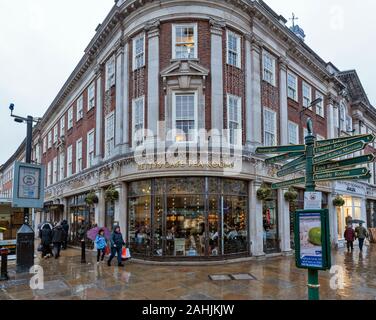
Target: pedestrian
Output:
[(45, 234), (117, 243), (101, 244), (58, 236), (350, 237), (65, 226), (361, 234)]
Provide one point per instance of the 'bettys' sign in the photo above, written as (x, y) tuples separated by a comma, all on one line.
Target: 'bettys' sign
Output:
[(350, 187)]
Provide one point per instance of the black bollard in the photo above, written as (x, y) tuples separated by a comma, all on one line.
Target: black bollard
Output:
[(4, 265), (83, 251)]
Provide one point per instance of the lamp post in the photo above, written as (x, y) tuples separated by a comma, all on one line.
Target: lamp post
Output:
[(25, 236)]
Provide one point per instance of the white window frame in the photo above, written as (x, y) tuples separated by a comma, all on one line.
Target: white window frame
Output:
[(239, 49), (110, 73), (195, 94), (306, 85), (61, 166), (49, 173), (239, 120), (80, 108), (49, 140), (109, 139), (79, 156), (62, 126), (45, 144), (342, 116), (70, 161), (320, 106), (174, 43), (296, 128), (275, 133), (266, 70), (54, 171), (90, 149), (136, 142), (56, 133), (296, 96), (70, 118), (135, 57), (91, 96)]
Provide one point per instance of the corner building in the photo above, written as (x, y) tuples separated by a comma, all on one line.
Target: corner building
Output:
[(166, 65)]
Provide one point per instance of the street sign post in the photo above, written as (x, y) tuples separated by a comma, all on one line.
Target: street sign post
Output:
[(359, 173), (354, 147), (284, 157), (333, 165), (280, 149), (323, 143), (291, 170), (345, 143), (288, 183), (294, 163)]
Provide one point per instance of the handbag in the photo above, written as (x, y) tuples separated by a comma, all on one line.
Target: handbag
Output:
[(107, 251), (125, 254)]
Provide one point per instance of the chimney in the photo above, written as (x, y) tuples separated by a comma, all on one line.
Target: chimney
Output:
[(299, 32)]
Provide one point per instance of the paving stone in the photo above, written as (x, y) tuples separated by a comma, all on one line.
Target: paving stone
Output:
[(220, 277)]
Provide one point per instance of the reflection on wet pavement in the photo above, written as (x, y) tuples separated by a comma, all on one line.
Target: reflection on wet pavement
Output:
[(270, 279)]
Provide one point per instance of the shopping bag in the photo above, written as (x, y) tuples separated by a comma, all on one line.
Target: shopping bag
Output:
[(128, 254), (124, 253), (107, 251)]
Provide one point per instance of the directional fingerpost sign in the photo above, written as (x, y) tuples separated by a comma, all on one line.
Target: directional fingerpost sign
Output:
[(291, 170), (322, 143), (297, 162), (288, 183), (280, 149), (357, 146), (342, 174), (345, 143), (333, 165), (284, 157)]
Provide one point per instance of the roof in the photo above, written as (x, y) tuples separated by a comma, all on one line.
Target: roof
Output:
[(354, 86)]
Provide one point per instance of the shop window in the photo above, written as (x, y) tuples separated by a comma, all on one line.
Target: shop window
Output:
[(110, 215), (270, 223)]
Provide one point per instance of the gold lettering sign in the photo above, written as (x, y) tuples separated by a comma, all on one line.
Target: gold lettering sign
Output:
[(214, 165)]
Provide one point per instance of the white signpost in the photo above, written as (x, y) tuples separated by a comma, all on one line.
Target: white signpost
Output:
[(312, 200)]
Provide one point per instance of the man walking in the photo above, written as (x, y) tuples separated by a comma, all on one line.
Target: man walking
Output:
[(65, 226), (350, 237), (58, 236), (361, 234)]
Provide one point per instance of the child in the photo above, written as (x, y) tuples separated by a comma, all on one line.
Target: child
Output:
[(100, 242)]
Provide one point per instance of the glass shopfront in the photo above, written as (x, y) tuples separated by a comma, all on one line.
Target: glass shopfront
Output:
[(352, 210), (270, 223), (188, 217), (80, 213), (109, 219)]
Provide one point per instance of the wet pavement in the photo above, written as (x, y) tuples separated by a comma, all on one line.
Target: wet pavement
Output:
[(270, 279)]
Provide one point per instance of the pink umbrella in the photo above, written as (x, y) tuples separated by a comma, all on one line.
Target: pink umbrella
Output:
[(92, 233)]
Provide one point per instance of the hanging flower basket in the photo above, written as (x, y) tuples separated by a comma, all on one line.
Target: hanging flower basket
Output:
[(91, 198), (338, 201), (291, 195), (264, 193), (111, 194)]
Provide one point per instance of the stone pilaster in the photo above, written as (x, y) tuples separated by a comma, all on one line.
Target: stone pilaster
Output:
[(121, 207), (98, 117), (284, 222), (255, 221), (126, 105), (333, 222), (248, 91), (283, 109), (100, 208), (119, 113)]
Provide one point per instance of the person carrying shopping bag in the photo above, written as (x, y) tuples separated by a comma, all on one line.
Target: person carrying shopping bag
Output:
[(101, 244), (117, 243)]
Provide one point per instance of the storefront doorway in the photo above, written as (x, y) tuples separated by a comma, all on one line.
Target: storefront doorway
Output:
[(352, 210), (188, 217)]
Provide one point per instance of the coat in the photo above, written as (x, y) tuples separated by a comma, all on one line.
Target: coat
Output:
[(58, 234), (45, 235), (100, 242), (361, 232), (349, 234), (117, 239)]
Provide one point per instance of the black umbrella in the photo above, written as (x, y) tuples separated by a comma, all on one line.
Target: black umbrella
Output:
[(358, 221)]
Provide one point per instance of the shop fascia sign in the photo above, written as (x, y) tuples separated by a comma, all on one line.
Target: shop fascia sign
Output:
[(349, 187)]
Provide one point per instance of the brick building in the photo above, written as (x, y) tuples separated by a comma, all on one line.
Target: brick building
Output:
[(184, 66)]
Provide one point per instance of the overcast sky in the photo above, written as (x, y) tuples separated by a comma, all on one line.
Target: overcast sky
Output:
[(41, 41)]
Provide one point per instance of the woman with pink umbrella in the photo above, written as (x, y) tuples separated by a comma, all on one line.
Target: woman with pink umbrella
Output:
[(100, 237)]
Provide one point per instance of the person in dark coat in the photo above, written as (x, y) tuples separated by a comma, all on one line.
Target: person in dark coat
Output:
[(117, 243), (65, 226), (58, 236), (350, 238), (45, 234)]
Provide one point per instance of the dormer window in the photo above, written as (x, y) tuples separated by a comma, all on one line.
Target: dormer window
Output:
[(184, 38)]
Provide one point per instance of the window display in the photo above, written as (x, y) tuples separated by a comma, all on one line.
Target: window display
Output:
[(270, 223), (188, 217)]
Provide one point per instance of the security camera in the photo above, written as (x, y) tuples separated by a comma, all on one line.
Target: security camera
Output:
[(11, 107)]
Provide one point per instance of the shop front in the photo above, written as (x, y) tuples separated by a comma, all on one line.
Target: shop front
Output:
[(188, 218), (270, 224)]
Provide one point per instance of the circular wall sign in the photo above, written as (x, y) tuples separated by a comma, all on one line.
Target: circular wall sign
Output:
[(29, 180)]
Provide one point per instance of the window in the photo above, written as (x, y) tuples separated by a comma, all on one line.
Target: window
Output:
[(320, 138), (49, 139), (185, 43), (37, 153), (56, 133), (292, 86), (139, 52), (44, 144), (62, 126), (70, 118), (270, 128), (90, 148), (91, 96), (79, 156), (80, 108), (269, 68), (54, 171), (293, 133), (62, 166), (138, 121), (49, 173), (110, 134), (320, 106), (349, 124), (110, 73), (184, 115), (69, 161), (234, 112), (234, 49), (307, 95), (342, 116)]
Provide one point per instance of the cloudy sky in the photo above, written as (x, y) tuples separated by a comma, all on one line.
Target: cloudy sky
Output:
[(41, 41)]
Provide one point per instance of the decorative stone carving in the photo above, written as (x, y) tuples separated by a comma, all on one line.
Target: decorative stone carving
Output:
[(217, 26)]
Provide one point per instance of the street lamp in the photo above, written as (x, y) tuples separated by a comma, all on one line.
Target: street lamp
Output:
[(313, 103), (25, 236)]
